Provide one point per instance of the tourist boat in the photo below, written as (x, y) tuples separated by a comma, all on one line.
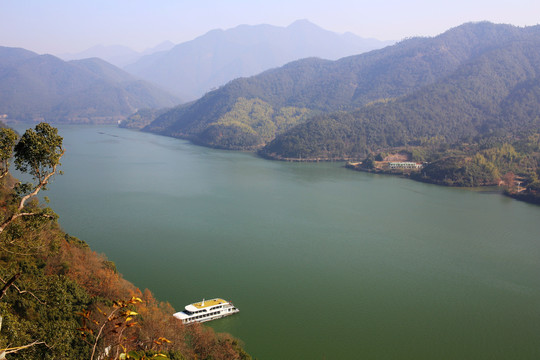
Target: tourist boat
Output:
[(206, 310)]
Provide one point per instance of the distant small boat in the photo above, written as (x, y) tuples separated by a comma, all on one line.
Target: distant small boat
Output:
[(206, 310)]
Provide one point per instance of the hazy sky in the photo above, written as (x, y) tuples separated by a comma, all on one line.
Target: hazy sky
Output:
[(60, 26)]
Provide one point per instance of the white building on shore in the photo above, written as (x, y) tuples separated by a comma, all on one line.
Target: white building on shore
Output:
[(404, 165)]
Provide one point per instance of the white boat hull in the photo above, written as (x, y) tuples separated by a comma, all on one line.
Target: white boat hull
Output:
[(206, 311)]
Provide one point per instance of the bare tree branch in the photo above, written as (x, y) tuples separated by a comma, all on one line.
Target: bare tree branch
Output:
[(15, 216), (42, 183), (101, 330), (8, 284), (4, 352)]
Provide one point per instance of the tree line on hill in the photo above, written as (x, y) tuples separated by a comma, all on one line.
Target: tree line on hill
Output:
[(348, 84)]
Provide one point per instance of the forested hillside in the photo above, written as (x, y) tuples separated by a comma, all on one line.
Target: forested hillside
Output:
[(496, 93), (43, 87), (316, 86), (61, 300)]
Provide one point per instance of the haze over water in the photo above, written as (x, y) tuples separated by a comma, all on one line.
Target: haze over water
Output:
[(323, 262)]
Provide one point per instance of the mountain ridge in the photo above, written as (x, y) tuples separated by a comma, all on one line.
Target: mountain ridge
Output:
[(44, 87), (118, 55), (323, 86), (192, 68), (458, 107)]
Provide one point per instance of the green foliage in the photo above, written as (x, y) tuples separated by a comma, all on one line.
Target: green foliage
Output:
[(460, 171), (139, 355), (49, 316), (476, 166), (252, 116), (75, 241), (368, 163), (327, 138), (419, 154), (250, 124), (39, 151), (141, 118), (246, 124), (230, 136)]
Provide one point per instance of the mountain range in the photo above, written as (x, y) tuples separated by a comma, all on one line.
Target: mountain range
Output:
[(44, 87), (88, 89), (470, 81), (192, 68)]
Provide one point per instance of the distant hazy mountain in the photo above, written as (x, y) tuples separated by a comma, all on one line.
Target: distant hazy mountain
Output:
[(117, 55), (192, 68), (457, 84), (38, 87)]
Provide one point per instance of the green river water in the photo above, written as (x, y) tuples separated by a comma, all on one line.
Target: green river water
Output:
[(323, 262)]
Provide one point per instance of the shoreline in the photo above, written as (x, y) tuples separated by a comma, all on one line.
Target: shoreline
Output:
[(524, 197), (349, 164)]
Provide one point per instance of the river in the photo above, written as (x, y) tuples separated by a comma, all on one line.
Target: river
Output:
[(323, 262)]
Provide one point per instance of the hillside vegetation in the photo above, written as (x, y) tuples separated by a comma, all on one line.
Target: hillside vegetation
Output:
[(456, 65), (494, 94), (43, 87), (61, 300)]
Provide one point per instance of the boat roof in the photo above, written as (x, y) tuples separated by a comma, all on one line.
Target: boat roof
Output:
[(181, 315), (204, 304)]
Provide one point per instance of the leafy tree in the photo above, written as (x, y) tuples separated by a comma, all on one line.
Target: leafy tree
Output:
[(37, 153)]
